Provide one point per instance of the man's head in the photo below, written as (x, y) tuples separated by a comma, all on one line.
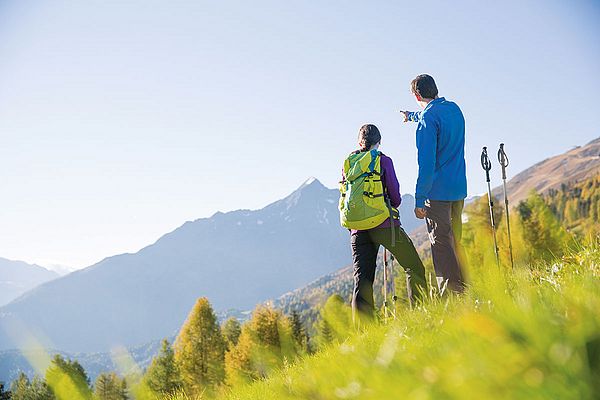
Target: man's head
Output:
[(424, 89), (368, 137)]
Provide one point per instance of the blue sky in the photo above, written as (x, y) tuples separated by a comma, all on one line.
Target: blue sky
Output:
[(120, 120)]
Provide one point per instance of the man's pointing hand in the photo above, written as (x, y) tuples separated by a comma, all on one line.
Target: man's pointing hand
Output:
[(405, 114)]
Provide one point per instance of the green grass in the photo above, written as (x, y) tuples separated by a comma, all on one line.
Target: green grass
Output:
[(531, 334)]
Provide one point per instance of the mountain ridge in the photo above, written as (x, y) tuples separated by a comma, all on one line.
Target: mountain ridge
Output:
[(576, 164), (133, 298), (19, 277)]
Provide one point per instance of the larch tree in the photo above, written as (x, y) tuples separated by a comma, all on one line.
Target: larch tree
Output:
[(19, 387), (37, 389), (335, 322), (163, 376), (324, 333), (542, 232), (109, 386), (68, 379), (299, 332), (265, 343), (200, 349), (238, 360), (231, 330)]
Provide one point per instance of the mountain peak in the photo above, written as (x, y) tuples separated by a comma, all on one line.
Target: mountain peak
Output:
[(311, 190), (312, 181)]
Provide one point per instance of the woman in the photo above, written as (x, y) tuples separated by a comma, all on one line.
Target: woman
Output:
[(389, 233)]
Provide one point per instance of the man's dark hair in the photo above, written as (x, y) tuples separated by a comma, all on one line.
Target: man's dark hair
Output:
[(368, 135), (424, 86)]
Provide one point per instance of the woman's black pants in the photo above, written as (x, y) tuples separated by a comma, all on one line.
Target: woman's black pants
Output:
[(365, 246)]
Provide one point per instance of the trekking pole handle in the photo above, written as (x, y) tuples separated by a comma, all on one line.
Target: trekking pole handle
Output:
[(503, 160), (486, 164)]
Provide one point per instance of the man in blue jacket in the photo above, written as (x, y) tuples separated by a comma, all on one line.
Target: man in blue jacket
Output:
[(442, 182)]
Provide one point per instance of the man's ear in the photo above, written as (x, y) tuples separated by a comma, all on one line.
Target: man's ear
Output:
[(418, 97)]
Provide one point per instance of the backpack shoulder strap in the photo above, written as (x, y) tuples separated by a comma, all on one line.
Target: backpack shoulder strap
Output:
[(375, 155)]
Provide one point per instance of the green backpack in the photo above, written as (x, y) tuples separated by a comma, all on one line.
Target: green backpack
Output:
[(362, 202)]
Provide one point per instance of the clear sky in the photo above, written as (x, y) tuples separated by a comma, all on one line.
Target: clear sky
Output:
[(120, 120)]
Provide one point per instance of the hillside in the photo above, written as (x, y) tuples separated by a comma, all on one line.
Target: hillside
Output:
[(483, 345), (17, 277), (577, 205), (237, 259), (575, 165)]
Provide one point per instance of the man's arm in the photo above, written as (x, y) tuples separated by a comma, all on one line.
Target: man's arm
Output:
[(412, 116), (427, 133)]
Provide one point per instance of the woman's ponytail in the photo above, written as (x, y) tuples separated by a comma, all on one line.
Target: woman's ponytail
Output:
[(368, 135)]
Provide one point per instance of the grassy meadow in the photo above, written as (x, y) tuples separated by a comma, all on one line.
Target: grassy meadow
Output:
[(529, 334)]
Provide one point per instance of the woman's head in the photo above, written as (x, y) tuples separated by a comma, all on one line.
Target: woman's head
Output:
[(368, 136)]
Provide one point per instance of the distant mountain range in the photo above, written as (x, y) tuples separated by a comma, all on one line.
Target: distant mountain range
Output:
[(17, 277), (236, 259), (61, 270), (13, 362)]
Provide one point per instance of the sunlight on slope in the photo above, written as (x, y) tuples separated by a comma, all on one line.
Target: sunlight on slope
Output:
[(533, 335)]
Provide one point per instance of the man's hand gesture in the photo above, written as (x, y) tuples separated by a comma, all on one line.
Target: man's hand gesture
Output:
[(405, 114)]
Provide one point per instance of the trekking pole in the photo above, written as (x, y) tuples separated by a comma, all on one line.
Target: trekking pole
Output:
[(503, 160), (486, 164), (386, 278), (385, 305), (393, 284)]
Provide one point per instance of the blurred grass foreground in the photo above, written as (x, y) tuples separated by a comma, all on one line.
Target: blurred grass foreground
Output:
[(531, 334)]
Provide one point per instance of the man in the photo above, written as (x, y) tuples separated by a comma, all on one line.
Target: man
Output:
[(442, 182)]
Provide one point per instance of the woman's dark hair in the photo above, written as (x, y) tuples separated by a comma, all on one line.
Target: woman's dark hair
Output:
[(368, 135), (424, 86)]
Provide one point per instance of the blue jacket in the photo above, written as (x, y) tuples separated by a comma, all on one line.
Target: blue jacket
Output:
[(441, 152)]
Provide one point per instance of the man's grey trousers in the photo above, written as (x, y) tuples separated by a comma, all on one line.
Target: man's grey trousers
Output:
[(444, 224)]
